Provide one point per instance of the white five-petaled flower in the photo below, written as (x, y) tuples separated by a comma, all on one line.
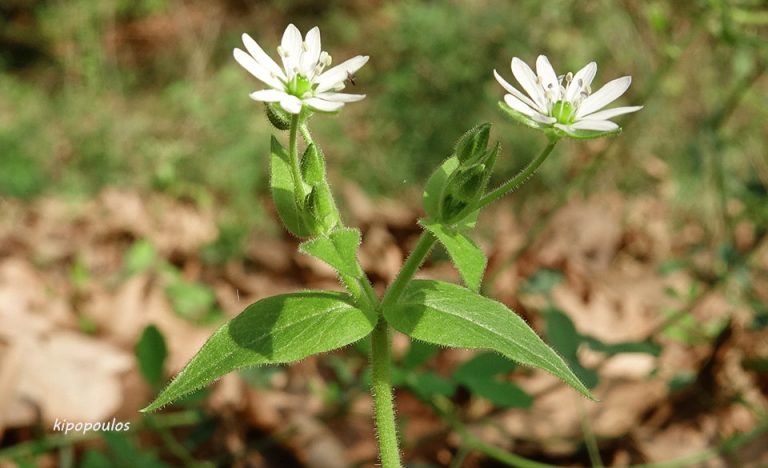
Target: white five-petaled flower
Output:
[(303, 79), (566, 102)]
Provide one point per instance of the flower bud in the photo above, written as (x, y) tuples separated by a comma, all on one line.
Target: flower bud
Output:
[(277, 116), (320, 212), (312, 168), (472, 145)]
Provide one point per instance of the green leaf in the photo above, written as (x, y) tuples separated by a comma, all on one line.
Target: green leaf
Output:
[(338, 250), (564, 337), (647, 346), (449, 315), (275, 330), (503, 394), (193, 301), (140, 257), (428, 384), (468, 258), (418, 353), (485, 364), (151, 353), (481, 375), (281, 182)]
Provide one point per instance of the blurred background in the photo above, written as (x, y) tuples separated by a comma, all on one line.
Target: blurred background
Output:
[(135, 218)]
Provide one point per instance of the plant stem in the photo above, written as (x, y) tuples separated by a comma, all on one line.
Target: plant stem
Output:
[(414, 261), (382, 396), (293, 154), (519, 179)]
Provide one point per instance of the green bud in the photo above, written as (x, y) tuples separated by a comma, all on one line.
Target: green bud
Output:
[(468, 183), (451, 209), (471, 146), (277, 116), (312, 168), (320, 212)]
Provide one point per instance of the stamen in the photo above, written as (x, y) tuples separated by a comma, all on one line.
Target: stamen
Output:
[(304, 46), (282, 52), (568, 78)]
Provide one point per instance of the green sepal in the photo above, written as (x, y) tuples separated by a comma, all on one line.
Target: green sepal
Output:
[(283, 193), (552, 131), (338, 249), (468, 258), (449, 315), (276, 330)]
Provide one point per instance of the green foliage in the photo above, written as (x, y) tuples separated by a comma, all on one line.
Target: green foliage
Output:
[(140, 257), (274, 330), (482, 375), (543, 281), (338, 249), (192, 300), (450, 315), (468, 257), (562, 335), (151, 353)]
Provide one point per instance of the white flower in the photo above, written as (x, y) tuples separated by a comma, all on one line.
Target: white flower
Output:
[(303, 79), (564, 104)]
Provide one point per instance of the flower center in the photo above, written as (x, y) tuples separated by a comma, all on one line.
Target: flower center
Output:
[(299, 86), (564, 112)]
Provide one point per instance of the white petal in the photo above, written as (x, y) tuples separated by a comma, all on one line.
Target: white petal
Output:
[(600, 125), (523, 108), (291, 104), (611, 113), (341, 97), (527, 79), (291, 45), (513, 91), (312, 53), (261, 57), (604, 96), (581, 80), (323, 105), (339, 73), (548, 77), (256, 69), (268, 95)]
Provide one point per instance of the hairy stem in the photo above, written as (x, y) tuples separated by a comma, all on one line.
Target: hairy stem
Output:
[(293, 154), (414, 261), (382, 396)]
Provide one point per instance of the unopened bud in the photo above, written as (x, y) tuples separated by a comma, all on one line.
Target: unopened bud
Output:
[(277, 116), (320, 211), (472, 144), (312, 166)]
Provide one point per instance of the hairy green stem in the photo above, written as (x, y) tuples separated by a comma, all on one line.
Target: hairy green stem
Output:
[(414, 261), (381, 359), (293, 154), (519, 179), (382, 396)]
